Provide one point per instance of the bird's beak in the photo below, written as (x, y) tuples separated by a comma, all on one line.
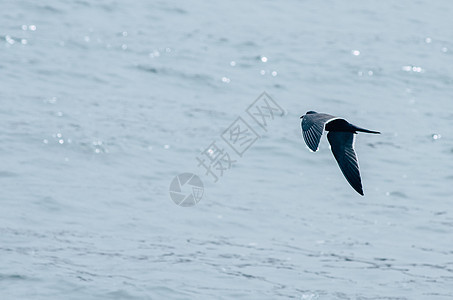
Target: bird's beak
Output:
[(301, 117)]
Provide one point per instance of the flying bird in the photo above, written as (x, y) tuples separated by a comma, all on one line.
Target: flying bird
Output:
[(341, 140)]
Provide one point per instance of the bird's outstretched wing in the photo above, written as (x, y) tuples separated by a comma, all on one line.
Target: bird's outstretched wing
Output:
[(312, 128), (342, 147)]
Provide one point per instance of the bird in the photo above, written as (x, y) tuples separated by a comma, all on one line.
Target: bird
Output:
[(341, 139)]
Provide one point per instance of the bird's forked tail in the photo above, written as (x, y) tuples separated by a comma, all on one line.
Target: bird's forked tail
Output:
[(365, 130)]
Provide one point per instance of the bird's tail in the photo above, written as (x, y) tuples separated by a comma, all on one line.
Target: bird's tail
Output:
[(365, 130)]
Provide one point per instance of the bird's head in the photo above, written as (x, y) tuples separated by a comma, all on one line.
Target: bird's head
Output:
[(309, 113)]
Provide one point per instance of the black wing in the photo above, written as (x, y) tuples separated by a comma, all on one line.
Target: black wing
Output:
[(341, 144), (313, 127)]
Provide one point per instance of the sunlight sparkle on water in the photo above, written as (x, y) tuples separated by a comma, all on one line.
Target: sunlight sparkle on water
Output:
[(436, 136), (412, 69), (9, 40), (155, 53), (52, 100)]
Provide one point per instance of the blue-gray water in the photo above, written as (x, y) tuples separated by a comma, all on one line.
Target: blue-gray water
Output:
[(102, 103)]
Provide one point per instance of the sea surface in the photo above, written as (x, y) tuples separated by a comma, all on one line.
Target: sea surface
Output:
[(103, 103)]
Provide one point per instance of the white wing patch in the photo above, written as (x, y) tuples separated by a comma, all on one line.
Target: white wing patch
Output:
[(313, 126)]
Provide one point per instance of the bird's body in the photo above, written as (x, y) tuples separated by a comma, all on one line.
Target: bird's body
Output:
[(341, 140)]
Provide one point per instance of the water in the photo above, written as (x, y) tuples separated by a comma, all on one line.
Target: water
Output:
[(102, 104)]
